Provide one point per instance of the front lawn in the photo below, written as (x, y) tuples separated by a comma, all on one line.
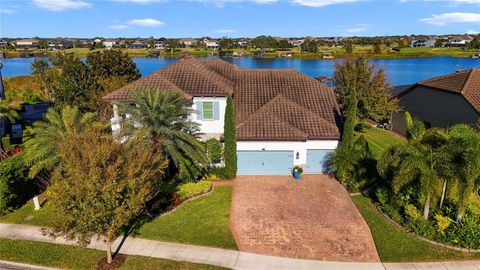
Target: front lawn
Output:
[(378, 140), (70, 257), (395, 245), (27, 215), (204, 221)]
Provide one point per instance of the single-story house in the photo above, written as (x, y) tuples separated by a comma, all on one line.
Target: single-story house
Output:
[(3, 44), (284, 118), (211, 44), (188, 42), (441, 101), (137, 45), (110, 43)]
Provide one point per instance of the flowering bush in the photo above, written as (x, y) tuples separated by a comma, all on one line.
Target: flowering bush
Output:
[(298, 169)]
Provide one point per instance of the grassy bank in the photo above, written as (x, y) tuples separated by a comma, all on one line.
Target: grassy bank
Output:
[(69, 257), (378, 140), (395, 245)]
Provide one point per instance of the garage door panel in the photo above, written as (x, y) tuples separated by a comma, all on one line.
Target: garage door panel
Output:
[(318, 160), (264, 162)]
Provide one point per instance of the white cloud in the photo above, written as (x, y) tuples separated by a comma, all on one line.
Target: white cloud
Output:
[(322, 3), (221, 3), (60, 5), (146, 22), (355, 30), (118, 27), (455, 17), (225, 31), (7, 11), (473, 32)]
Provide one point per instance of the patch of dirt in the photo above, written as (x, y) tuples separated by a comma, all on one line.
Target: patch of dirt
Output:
[(118, 261)]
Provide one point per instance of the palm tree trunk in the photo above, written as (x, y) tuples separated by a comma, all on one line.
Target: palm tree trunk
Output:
[(109, 251), (426, 209), (443, 193)]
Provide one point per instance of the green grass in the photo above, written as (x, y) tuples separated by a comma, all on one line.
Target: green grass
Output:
[(27, 215), (395, 245), (204, 221), (70, 257), (378, 140)]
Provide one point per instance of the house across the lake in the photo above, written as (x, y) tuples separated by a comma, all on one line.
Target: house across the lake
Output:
[(284, 118), (442, 101)]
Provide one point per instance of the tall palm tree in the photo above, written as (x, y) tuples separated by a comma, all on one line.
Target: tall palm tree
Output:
[(8, 111), (164, 116), (417, 160), (464, 146), (46, 136)]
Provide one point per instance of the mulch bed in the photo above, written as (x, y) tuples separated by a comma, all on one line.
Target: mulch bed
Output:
[(118, 261)]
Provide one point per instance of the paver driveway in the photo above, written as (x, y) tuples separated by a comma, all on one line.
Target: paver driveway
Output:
[(313, 218)]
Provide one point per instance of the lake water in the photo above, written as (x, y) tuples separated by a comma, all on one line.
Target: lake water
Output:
[(399, 71)]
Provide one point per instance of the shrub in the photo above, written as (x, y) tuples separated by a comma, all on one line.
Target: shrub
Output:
[(412, 212), (15, 187), (298, 169), (382, 195), (210, 177), (218, 171), (442, 223), (190, 190), (466, 233), (214, 151)]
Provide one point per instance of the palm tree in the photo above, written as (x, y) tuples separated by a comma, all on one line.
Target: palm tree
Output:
[(417, 160), (8, 111), (42, 147), (164, 116), (464, 146)]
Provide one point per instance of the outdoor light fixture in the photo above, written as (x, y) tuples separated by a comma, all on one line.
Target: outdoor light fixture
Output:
[(297, 155)]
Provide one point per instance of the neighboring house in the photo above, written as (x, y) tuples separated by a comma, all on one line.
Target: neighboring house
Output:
[(137, 45), (159, 46), (188, 42), (296, 42), (459, 41), (3, 44), (110, 43), (30, 43), (425, 42), (211, 44), (283, 117), (441, 102)]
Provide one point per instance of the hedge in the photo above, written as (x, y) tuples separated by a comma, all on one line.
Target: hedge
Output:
[(189, 190)]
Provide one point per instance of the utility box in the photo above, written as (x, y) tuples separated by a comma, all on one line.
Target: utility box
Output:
[(16, 134)]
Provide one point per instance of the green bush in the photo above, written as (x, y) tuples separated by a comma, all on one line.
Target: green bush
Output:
[(214, 150), (230, 137), (382, 196), (189, 190), (442, 223), (218, 171), (465, 233), (15, 187), (412, 212)]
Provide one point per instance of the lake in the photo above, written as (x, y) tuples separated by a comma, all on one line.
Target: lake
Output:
[(399, 71)]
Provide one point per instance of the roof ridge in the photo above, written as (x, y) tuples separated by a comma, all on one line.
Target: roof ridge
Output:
[(263, 109), (303, 108), (467, 81)]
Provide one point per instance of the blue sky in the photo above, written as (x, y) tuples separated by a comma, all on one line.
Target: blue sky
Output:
[(236, 18)]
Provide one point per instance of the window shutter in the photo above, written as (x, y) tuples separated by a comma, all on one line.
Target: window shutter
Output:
[(199, 109), (216, 110)]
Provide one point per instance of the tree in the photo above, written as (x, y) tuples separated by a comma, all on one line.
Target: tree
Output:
[(164, 115), (371, 86), (464, 151), (43, 148), (46, 77), (112, 63), (310, 45), (475, 43), (349, 48), (101, 186), (230, 138), (417, 161), (377, 48)]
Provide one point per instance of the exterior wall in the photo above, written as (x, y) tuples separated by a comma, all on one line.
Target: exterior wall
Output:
[(437, 107), (211, 128), (300, 147)]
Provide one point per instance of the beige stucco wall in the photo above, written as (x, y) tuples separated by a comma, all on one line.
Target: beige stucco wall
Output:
[(439, 108)]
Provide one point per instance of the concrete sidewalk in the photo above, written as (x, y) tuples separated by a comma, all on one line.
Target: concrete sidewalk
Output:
[(7, 265), (220, 257)]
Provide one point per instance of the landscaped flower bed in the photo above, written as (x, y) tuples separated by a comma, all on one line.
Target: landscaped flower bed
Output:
[(440, 225), (189, 190)]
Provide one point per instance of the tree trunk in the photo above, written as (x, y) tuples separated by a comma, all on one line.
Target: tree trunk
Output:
[(443, 193), (426, 209), (109, 251)]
